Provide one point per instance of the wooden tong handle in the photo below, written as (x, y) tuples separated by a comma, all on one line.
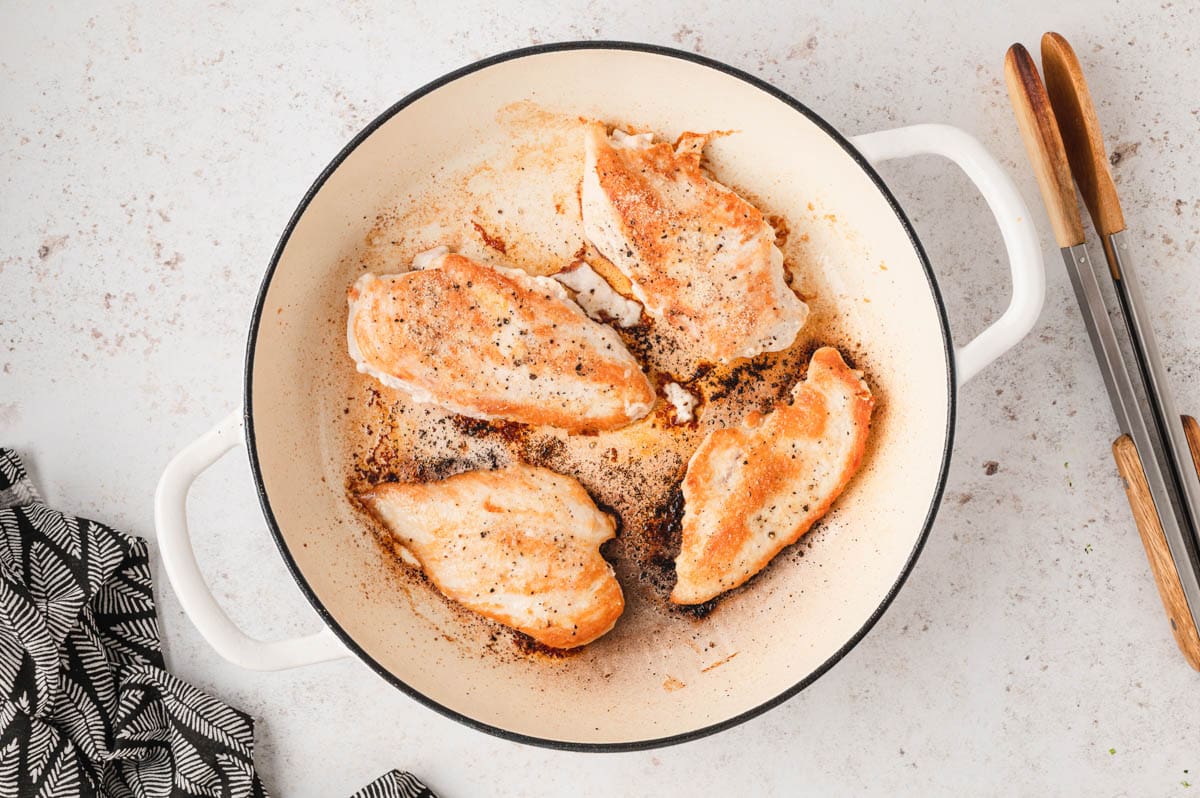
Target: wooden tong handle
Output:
[(1080, 130), (1044, 143), (1192, 430), (1187, 637)]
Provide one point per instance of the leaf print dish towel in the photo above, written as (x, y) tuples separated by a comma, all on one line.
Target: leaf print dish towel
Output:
[(86, 705)]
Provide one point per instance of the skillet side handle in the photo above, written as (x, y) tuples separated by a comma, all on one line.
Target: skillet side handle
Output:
[(1012, 216), (179, 562)]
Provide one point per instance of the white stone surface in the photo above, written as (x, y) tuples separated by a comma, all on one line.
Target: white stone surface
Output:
[(151, 153)]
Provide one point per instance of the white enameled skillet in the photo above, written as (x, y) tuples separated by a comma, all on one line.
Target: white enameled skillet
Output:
[(785, 632)]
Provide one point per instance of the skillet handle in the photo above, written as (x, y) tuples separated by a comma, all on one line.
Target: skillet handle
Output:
[(179, 562), (1013, 217)]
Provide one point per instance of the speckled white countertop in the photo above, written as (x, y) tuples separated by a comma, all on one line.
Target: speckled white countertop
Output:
[(151, 153)]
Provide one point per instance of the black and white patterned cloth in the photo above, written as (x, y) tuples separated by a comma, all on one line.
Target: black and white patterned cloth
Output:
[(86, 706)]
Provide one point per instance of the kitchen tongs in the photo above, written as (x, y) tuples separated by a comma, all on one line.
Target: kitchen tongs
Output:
[(1158, 452)]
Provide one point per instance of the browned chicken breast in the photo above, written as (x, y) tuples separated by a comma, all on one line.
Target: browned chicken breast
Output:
[(494, 343), (751, 490), (519, 545), (700, 257)]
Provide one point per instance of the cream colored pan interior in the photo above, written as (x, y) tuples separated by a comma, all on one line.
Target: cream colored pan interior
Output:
[(656, 675)]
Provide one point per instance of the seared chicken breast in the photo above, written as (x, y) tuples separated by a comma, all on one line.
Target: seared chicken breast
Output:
[(700, 258), (751, 490), (493, 343), (519, 545)]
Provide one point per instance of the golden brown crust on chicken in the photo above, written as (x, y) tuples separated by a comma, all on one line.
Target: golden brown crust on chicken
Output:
[(752, 490), (494, 343), (700, 257), (519, 545)]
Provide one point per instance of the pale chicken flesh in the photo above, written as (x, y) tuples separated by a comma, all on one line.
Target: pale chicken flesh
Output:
[(519, 545), (494, 343), (754, 489), (700, 258)]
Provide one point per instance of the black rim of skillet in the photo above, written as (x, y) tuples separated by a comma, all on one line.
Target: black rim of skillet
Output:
[(634, 745)]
